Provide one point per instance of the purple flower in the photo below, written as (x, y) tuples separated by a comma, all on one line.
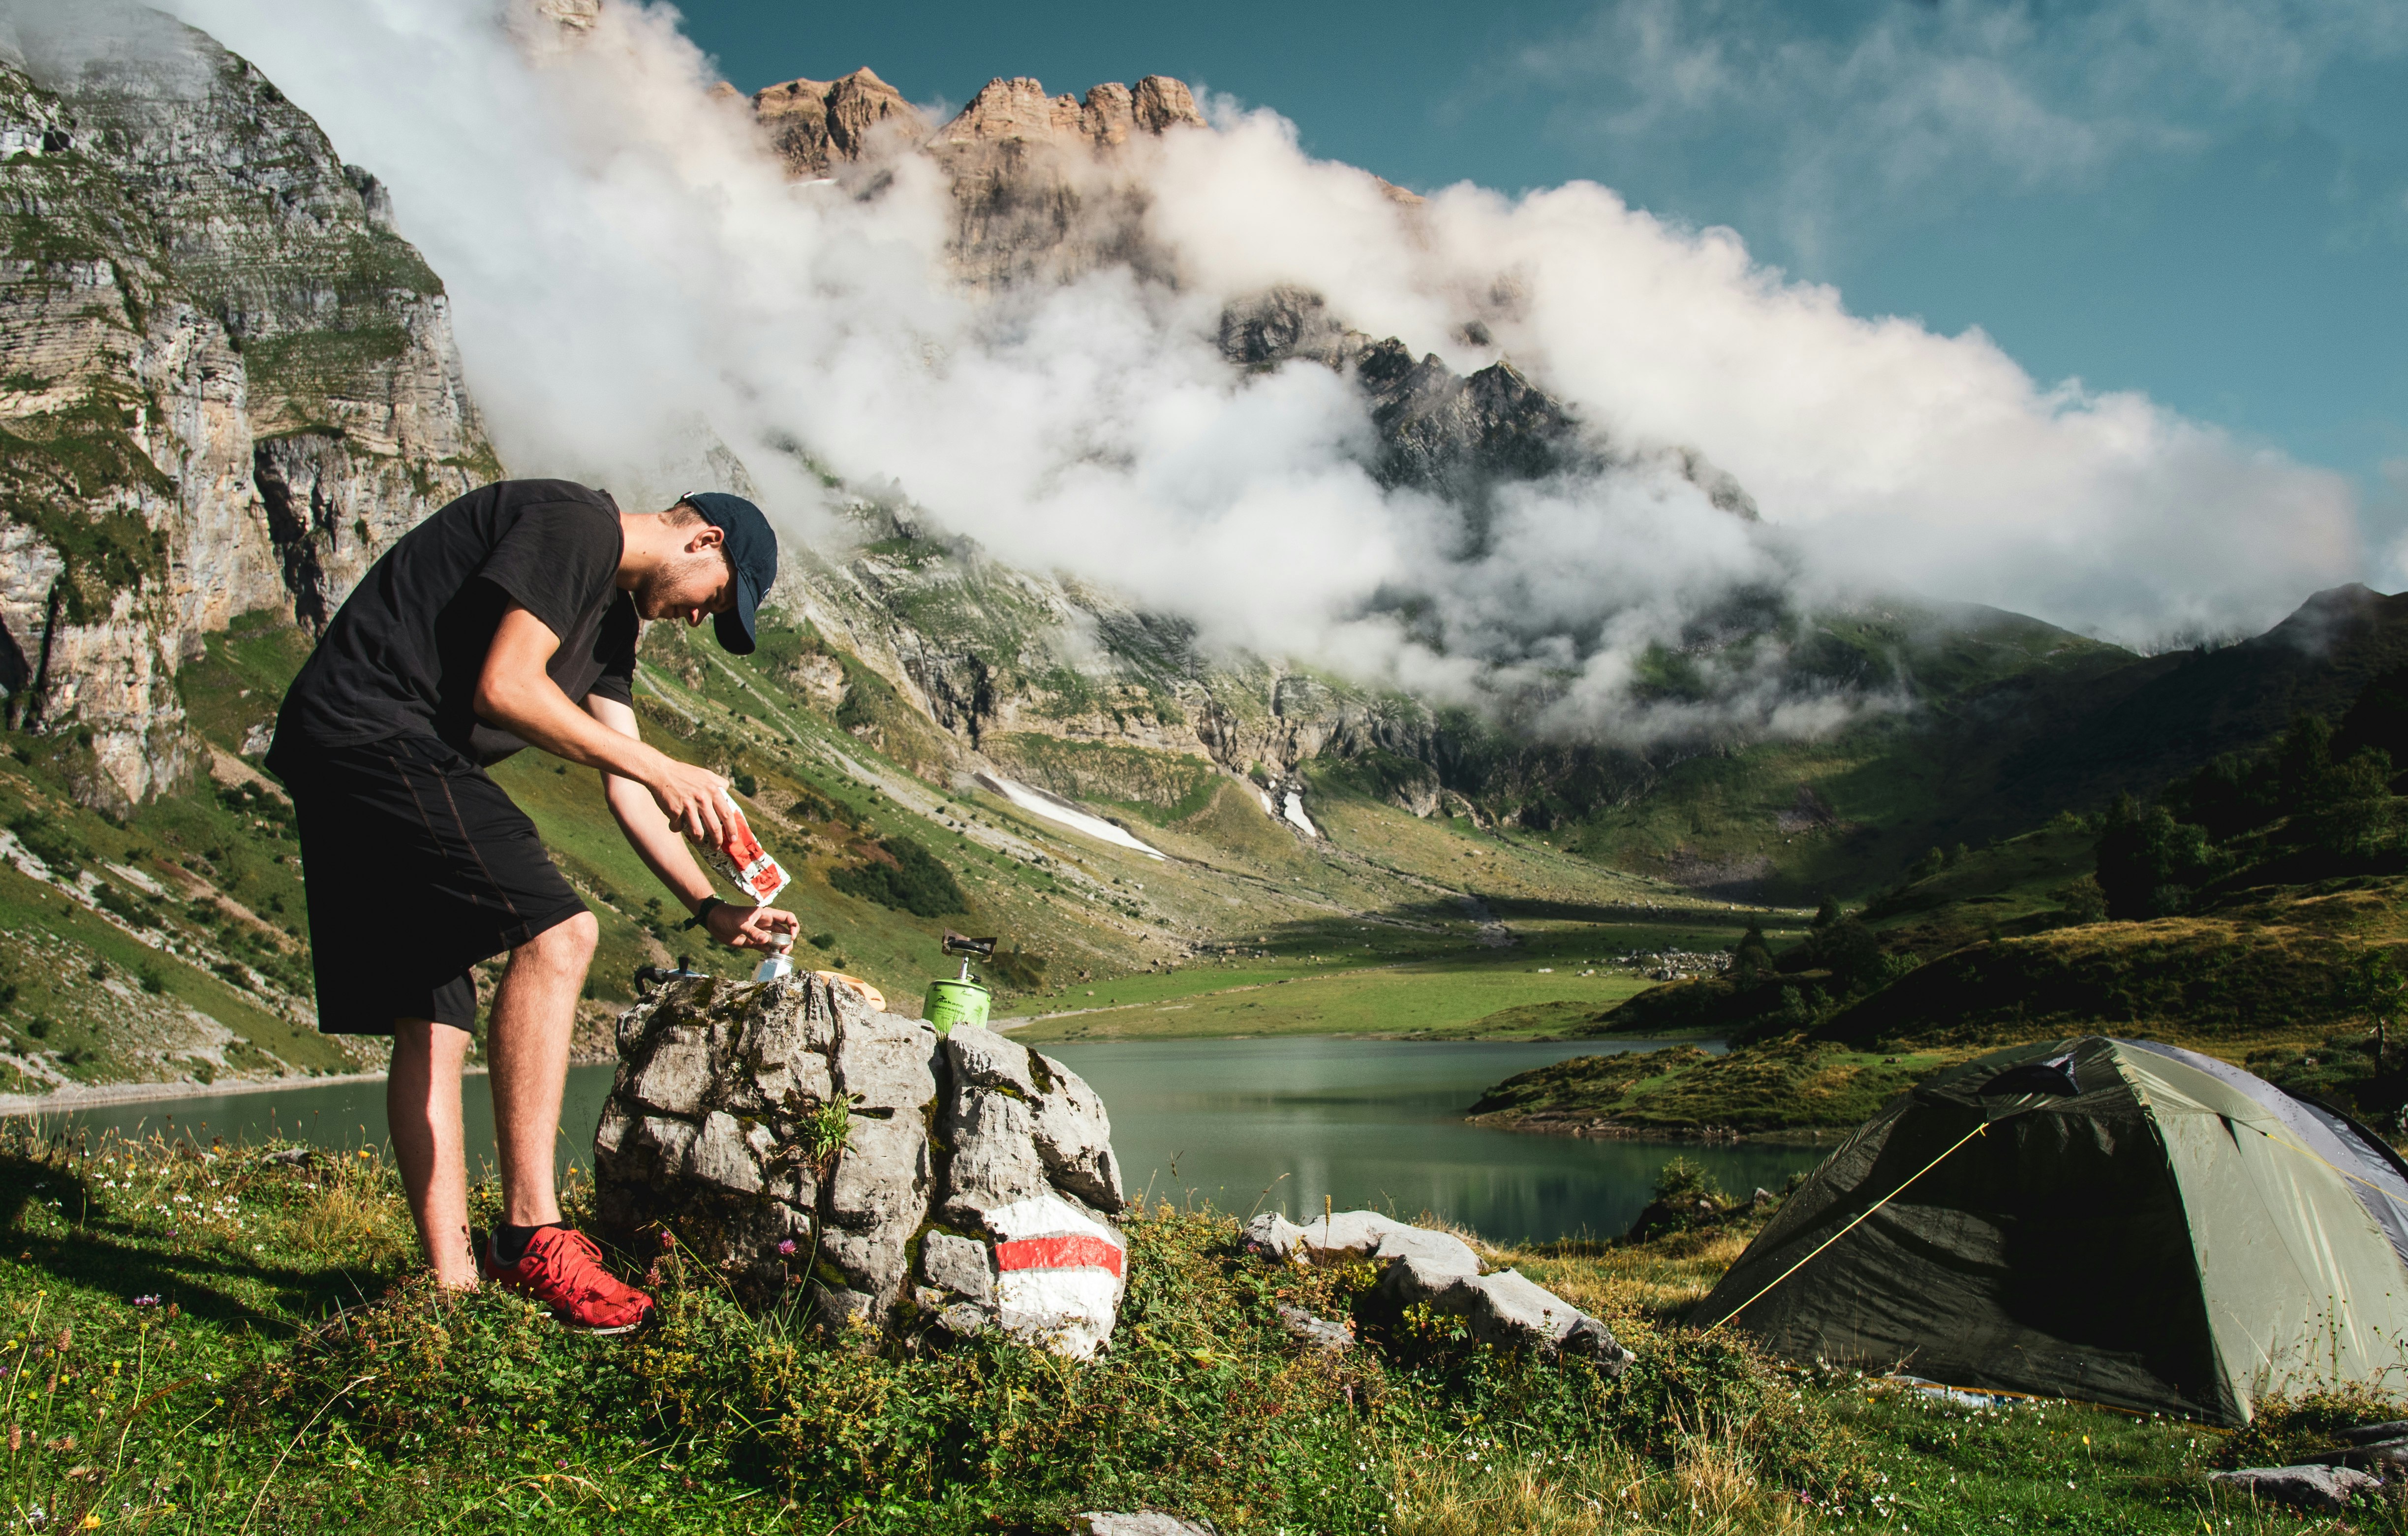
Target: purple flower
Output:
[(786, 1247), (146, 1300)]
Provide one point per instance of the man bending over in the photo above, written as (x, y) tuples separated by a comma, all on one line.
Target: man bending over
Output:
[(507, 620)]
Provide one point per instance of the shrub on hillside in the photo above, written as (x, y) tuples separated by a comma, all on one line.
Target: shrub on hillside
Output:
[(2081, 901), (905, 876), (2148, 862)]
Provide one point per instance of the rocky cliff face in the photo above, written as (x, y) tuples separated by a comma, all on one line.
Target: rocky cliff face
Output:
[(1043, 188), (819, 126), (225, 383)]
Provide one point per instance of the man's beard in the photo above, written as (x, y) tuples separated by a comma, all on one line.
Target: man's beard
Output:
[(656, 595)]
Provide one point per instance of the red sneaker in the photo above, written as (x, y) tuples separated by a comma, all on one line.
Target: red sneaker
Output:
[(562, 1269)]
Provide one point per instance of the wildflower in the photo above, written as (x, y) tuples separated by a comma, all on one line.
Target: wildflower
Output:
[(786, 1247), (146, 1300)]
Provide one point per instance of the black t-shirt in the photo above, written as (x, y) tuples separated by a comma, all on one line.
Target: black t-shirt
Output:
[(407, 648)]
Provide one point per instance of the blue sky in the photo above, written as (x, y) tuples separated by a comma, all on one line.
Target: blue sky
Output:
[(2206, 200)]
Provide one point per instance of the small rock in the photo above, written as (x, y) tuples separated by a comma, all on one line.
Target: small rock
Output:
[(1440, 1270), (2324, 1488), (1510, 1309), (2369, 1434), (1144, 1523), (1319, 1332), (2383, 1457)]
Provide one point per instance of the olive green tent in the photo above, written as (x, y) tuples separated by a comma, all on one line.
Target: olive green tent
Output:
[(2129, 1223)]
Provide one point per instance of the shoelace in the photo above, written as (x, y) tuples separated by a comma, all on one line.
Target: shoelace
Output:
[(556, 1264)]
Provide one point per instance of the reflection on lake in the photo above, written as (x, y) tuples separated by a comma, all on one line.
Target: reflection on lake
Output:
[(1245, 1124), (1379, 1124)]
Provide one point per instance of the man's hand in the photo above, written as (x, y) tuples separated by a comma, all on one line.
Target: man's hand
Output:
[(752, 927), (689, 797)]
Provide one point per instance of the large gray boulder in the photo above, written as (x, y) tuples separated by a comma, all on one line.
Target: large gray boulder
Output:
[(975, 1188), (1419, 1267)]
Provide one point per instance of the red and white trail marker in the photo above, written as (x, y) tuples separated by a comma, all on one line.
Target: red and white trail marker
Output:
[(1059, 1273)]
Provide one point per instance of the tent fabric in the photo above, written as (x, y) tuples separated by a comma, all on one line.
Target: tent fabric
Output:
[(2135, 1225)]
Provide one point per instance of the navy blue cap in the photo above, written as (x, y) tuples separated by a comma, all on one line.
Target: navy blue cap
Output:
[(752, 552)]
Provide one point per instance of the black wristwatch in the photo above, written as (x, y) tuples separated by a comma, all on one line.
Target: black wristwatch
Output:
[(702, 913)]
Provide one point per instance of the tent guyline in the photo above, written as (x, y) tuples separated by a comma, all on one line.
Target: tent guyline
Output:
[(1850, 1227)]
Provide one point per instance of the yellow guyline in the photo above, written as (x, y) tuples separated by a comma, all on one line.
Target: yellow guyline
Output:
[(1850, 1227)]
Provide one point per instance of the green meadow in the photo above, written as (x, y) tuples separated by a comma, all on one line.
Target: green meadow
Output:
[(240, 1341)]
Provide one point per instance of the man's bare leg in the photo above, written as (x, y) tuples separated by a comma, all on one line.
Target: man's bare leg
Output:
[(527, 1046), (422, 1101)]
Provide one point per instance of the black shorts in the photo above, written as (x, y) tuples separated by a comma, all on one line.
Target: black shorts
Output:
[(417, 868)]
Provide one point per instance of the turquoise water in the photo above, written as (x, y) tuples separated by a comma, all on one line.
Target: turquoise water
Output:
[(1277, 1125), (1246, 1125)]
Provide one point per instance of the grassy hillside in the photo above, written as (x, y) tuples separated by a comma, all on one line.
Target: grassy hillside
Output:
[(1994, 740), (174, 947), (1987, 950)]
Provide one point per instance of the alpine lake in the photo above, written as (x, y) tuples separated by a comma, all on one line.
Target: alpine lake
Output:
[(1269, 1123)]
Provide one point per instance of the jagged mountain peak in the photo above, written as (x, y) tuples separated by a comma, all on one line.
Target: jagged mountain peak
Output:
[(817, 125), (1018, 110), (813, 124)]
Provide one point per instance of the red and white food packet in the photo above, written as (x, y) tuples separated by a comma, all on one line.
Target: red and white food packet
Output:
[(744, 860)]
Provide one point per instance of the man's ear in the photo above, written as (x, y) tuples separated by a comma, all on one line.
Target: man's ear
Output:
[(707, 537)]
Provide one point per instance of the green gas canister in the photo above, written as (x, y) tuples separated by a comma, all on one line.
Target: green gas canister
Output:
[(958, 1001), (962, 999)]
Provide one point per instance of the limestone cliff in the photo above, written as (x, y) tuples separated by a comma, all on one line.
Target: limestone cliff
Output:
[(818, 125), (1043, 188), (225, 383)]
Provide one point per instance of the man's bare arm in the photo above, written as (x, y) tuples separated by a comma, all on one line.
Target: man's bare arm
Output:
[(666, 854), (516, 693)]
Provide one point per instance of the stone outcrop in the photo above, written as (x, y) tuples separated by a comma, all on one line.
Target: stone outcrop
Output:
[(818, 126), (1436, 1270), (1042, 189), (1142, 1523), (975, 1185), (1018, 111), (228, 382)]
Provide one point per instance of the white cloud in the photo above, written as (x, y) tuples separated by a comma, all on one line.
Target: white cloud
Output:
[(626, 262)]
